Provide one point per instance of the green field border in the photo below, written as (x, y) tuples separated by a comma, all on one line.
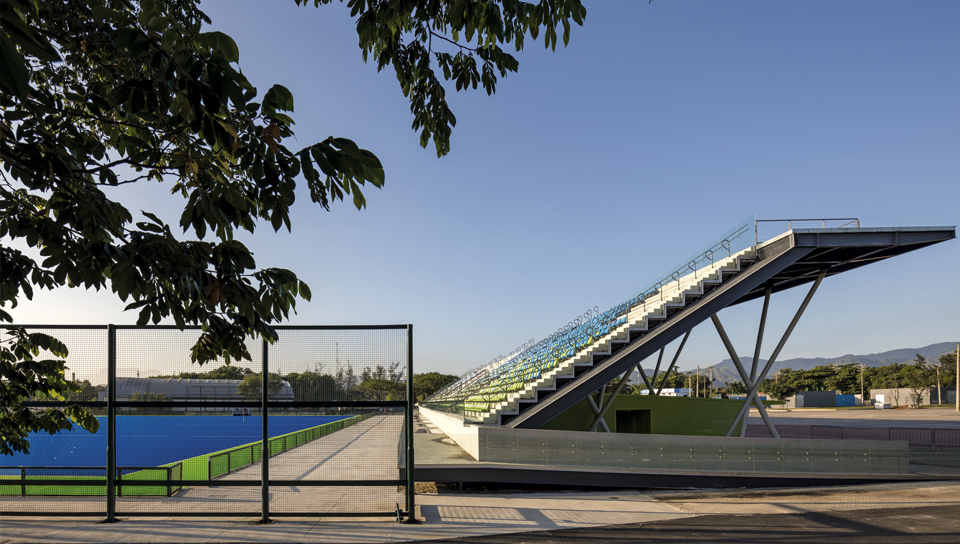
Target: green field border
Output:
[(193, 468)]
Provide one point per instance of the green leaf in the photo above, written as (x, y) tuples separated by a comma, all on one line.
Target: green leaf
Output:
[(14, 76), (222, 44), (32, 42), (278, 98), (304, 291)]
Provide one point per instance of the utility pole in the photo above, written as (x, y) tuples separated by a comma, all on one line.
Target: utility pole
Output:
[(957, 395), (939, 389), (863, 366), (698, 381)]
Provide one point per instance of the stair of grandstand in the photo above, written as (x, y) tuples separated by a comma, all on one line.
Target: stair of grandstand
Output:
[(504, 389), (502, 400)]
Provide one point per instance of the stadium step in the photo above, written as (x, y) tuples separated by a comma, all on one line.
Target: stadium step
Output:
[(503, 390), (639, 323)]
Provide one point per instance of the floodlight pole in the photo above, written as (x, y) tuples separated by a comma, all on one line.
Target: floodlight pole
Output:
[(264, 440), (111, 424)]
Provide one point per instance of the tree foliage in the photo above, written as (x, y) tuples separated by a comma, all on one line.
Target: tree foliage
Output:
[(462, 39), (675, 380), (379, 389), (315, 386), (736, 388), (919, 377), (101, 93), (23, 375), (252, 385), (225, 372), (429, 383)]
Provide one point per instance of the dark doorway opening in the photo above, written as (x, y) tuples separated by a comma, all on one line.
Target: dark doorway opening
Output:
[(633, 421)]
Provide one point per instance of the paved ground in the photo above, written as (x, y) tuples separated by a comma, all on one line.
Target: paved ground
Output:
[(931, 510), (922, 511), (886, 526), (943, 418)]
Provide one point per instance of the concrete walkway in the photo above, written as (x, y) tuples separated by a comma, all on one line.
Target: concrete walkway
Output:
[(475, 515)]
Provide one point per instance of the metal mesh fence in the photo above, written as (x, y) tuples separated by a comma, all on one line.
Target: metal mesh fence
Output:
[(72, 464), (189, 439), (335, 369)]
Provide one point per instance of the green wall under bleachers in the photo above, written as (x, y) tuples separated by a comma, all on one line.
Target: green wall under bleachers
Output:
[(668, 415)]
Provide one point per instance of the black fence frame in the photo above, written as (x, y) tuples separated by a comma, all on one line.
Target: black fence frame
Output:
[(114, 485)]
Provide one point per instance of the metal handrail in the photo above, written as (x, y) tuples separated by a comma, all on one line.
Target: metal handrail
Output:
[(847, 221)]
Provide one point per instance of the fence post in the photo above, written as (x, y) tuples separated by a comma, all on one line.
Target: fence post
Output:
[(169, 485), (265, 461), (23, 481), (411, 498), (111, 423)]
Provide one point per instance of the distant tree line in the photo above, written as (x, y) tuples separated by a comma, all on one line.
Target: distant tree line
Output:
[(920, 376), (377, 383)]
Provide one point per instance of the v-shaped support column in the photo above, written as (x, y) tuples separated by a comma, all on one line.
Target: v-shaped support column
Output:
[(752, 394), (746, 379), (596, 410), (598, 419)]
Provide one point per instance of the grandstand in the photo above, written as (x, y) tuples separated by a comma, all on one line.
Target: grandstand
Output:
[(539, 381)]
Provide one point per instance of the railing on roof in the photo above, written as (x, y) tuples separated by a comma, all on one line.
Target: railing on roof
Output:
[(767, 229), (490, 383)]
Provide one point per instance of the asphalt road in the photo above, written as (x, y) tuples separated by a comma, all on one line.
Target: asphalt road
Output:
[(938, 524)]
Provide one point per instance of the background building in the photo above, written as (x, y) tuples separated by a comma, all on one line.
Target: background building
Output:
[(183, 389)]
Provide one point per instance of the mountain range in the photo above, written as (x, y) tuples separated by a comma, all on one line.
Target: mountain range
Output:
[(725, 370)]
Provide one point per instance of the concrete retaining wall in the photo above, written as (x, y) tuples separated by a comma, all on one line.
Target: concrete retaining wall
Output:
[(692, 453), (654, 452), (465, 435)]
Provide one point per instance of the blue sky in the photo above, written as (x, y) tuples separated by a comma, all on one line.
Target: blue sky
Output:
[(598, 166)]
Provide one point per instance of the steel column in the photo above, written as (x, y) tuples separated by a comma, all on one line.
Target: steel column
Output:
[(606, 405), (673, 363), (776, 352), (644, 376), (763, 323), (111, 424), (746, 379), (596, 410), (411, 492), (756, 352), (656, 369), (265, 438)]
